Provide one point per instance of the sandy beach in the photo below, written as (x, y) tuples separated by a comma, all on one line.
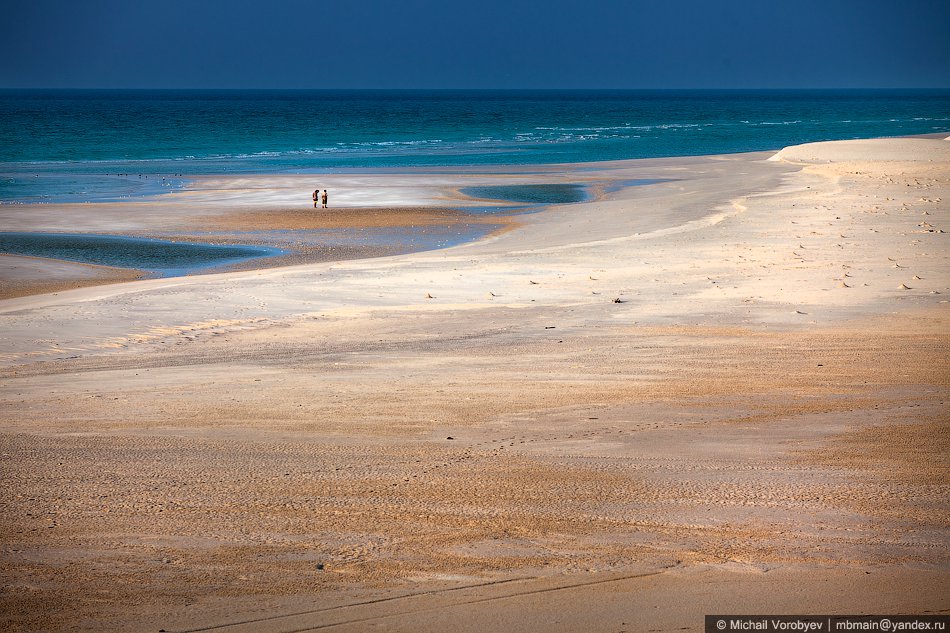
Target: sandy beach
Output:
[(725, 391)]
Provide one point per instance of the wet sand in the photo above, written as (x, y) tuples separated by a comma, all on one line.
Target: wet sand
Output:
[(723, 392), (396, 231), (22, 276), (347, 218), (300, 232)]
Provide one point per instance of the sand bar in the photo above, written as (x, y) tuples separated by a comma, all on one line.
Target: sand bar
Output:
[(729, 386)]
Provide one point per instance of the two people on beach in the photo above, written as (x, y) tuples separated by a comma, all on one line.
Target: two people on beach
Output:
[(317, 197)]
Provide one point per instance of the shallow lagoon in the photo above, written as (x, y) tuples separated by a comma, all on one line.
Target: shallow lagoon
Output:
[(161, 257), (530, 194)]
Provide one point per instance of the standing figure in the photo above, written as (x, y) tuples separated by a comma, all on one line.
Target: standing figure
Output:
[(316, 197), (324, 198)]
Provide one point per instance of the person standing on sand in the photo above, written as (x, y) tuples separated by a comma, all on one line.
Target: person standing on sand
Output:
[(324, 199), (316, 197)]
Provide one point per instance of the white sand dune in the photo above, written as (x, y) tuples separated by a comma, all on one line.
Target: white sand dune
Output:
[(876, 150)]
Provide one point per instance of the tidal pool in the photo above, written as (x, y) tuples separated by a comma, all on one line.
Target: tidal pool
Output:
[(530, 194), (162, 257)]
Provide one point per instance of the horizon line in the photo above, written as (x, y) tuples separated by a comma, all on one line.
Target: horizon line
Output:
[(474, 89)]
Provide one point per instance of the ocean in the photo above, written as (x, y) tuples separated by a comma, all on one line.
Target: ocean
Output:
[(76, 146), (108, 146)]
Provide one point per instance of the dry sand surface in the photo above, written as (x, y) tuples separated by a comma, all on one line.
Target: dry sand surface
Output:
[(722, 392)]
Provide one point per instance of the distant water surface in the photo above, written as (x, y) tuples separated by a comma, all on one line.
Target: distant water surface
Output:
[(73, 145)]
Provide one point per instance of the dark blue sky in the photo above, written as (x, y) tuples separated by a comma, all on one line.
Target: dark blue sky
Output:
[(475, 44)]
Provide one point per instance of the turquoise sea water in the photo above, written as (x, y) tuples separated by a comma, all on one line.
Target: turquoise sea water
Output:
[(90, 146), (70, 145)]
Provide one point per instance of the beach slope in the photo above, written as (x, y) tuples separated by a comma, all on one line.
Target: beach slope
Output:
[(723, 391)]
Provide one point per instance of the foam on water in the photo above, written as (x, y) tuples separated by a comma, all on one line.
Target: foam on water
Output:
[(163, 133)]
